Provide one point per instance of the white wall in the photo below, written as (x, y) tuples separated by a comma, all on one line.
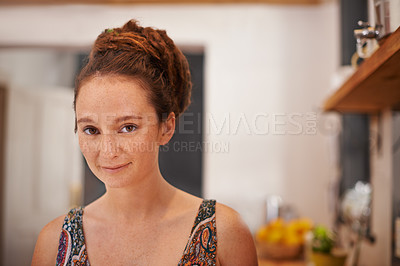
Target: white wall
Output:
[(37, 67), (261, 61)]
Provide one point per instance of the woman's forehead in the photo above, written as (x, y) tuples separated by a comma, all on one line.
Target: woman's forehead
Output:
[(112, 87), (112, 96)]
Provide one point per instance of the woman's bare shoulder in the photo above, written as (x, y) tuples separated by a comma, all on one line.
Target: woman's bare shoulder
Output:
[(235, 242), (47, 243)]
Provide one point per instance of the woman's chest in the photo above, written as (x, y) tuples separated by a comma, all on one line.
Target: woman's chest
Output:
[(146, 245)]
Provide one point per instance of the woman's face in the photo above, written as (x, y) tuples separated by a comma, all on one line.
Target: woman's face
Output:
[(119, 133)]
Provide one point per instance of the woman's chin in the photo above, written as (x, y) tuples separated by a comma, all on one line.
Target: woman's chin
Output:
[(117, 182)]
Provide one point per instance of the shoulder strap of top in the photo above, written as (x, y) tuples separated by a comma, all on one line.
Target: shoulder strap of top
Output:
[(71, 247), (206, 211), (202, 244)]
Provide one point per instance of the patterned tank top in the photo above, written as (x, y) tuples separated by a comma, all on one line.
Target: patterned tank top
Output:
[(200, 250)]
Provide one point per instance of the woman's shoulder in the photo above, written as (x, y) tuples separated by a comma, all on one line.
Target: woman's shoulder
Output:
[(46, 247), (235, 242), (51, 231), (225, 211), (229, 220), (47, 243)]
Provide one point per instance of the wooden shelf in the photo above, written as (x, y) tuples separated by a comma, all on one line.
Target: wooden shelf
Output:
[(375, 85)]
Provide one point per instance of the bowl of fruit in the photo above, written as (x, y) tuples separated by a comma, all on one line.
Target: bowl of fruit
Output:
[(280, 239), (324, 252)]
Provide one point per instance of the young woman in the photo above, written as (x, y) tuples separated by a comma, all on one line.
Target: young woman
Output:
[(127, 99)]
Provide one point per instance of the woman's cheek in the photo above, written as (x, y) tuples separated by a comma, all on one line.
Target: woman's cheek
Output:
[(138, 143), (126, 144), (89, 147)]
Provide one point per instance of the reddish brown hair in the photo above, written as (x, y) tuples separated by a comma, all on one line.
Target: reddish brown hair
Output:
[(146, 54)]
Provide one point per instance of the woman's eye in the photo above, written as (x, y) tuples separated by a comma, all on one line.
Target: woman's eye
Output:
[(91, 131), (128, 129)]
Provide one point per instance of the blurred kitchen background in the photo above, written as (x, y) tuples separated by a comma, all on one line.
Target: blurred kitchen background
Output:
[(262, 72)]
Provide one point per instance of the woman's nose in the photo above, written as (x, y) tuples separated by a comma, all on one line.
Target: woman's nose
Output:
[(109, 145)]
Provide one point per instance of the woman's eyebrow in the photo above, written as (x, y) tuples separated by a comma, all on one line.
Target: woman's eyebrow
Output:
[(85, 120), (116, 120), (127, 117)]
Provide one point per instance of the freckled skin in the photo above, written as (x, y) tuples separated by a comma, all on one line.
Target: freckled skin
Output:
[(141, 219), (103, 99)]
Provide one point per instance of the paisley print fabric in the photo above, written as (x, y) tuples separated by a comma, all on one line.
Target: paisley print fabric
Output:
[(71, 247), (200, 250)]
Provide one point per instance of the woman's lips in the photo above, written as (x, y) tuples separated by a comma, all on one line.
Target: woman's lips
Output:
[(115, 169)]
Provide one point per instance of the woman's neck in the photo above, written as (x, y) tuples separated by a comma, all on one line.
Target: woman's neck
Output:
[(139, 202)]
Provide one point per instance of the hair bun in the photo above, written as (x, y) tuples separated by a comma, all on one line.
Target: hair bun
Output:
[(147, 53)]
